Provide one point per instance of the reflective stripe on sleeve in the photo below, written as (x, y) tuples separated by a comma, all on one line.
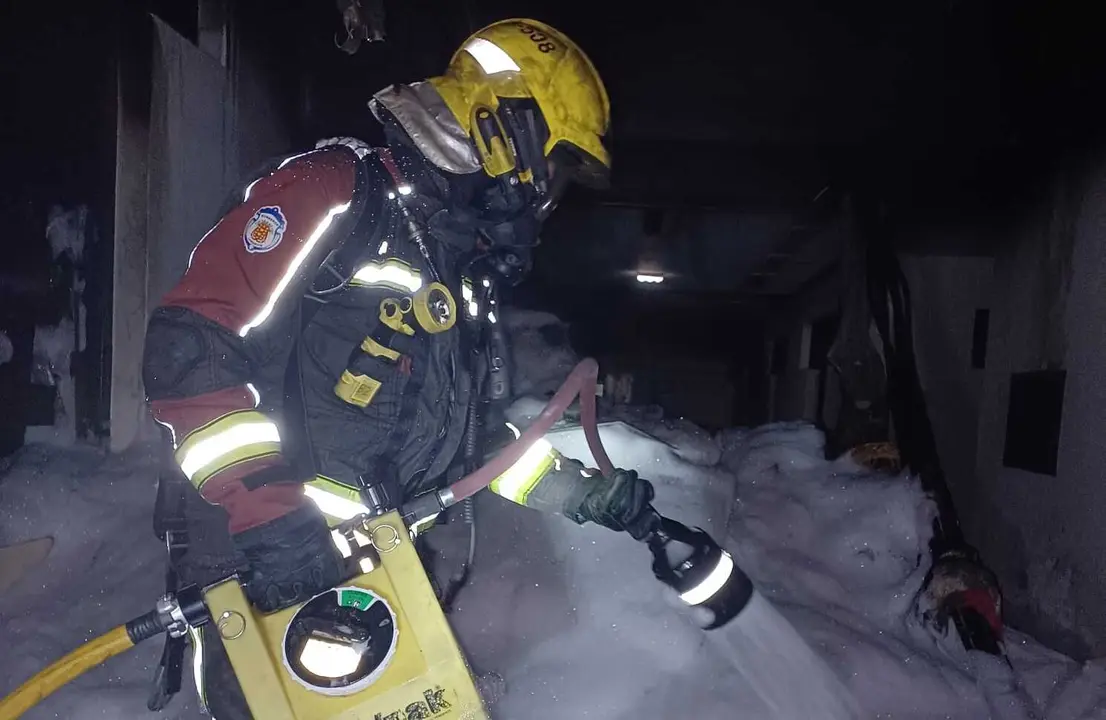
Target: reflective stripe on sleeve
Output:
[(335, 499), (522, 477), (229, 440)]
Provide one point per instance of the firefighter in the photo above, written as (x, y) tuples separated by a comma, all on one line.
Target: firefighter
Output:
[(324, 333)]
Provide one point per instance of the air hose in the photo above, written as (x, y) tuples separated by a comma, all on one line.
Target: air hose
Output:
[(687, 560), (84, 658), (581, 382)]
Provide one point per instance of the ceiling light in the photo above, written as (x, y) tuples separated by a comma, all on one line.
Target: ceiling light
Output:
[(650, 279)]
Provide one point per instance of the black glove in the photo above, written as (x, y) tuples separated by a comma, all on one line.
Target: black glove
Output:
[(291, 559), (619, 502)]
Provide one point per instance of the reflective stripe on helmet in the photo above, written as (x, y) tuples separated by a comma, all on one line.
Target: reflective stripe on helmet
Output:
[(490, 57), (229, 440)]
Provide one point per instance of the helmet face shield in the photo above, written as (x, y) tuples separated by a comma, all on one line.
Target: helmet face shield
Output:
[(567, 165), (557, 185), (580, 166)]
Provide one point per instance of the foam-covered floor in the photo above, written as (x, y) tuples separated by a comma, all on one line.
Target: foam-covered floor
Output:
[(571, 616)]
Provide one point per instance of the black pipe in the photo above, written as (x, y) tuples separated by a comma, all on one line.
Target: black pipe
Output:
[(146, 626), (891, 310), (471, 452)]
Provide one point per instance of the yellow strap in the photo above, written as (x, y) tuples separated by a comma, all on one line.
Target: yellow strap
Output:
[(229, 440), (521, 478), (392, 311), (489, 137), (358, 389), (372, 347)]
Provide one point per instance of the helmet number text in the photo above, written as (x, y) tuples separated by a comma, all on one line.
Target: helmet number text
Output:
[(540, 39)]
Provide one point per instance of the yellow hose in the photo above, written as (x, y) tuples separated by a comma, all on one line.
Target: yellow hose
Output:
[(76, 663)]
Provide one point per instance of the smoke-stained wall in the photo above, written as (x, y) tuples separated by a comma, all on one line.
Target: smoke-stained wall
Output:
[(207, 125)]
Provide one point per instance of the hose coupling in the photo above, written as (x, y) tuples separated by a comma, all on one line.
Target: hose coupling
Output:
[(171, 616), (695, 566), (424, 508)]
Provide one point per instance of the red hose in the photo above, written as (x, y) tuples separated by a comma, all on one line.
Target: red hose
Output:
[(581, 381)]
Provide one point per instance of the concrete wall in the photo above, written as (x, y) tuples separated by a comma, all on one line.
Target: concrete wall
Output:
[(1044, 288), (946, 292), (130, 266), (795, 395), (191, 160), (1075, 551), (206, 125), (1019, 518), (1043, 535), (796, 392), (172, 176)]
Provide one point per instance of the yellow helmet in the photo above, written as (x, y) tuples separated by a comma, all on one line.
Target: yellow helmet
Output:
[(512, 63)]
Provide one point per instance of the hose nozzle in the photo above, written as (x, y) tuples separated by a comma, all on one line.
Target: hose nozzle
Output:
[(695, 566)]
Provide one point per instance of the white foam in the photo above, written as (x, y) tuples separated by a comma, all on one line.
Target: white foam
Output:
[(571, 616)]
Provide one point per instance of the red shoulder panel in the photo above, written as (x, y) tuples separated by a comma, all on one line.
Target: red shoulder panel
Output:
[(245, 264)]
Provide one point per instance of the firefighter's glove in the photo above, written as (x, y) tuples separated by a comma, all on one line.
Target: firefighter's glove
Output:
[(619, 502), (291, 559)]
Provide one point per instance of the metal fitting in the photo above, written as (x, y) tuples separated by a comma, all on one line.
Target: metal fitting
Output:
[(172, 616)]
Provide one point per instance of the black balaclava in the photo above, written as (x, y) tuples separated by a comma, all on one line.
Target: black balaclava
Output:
[(483, 225)]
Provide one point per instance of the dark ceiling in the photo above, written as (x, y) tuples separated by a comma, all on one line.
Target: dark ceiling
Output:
[(730, 119), (756, 103)]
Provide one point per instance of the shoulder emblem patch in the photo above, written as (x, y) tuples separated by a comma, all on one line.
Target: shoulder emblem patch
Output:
[(265, 229)]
